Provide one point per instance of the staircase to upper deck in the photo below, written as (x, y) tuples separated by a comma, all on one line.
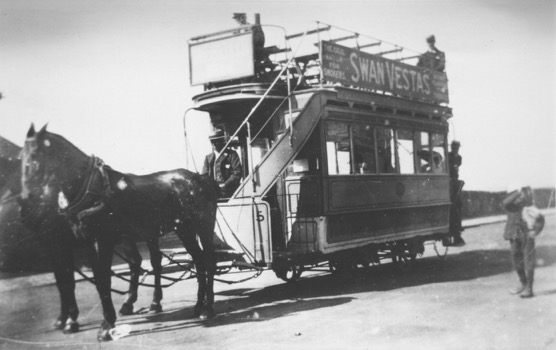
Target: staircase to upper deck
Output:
[(283, 151)]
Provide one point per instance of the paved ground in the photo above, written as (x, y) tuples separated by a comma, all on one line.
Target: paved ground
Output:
[(459, 302)]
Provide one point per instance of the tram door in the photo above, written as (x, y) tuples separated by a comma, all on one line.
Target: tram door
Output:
[(303, 194)]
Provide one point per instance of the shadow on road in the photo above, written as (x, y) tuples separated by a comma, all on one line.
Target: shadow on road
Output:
[(458, 267), (327, 290), (254, 313)]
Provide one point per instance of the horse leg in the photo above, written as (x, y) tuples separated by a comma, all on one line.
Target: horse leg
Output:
[(207, 240), (101, 261), (60, 249), (65, 281), (156, 263), (189, 240), (134, 259)]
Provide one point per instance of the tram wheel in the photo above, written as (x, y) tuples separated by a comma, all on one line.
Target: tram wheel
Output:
[(404, 261), (344, 268), (291, 274)]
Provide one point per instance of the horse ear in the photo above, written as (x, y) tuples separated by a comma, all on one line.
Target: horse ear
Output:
[(43, 129), (31, 131)]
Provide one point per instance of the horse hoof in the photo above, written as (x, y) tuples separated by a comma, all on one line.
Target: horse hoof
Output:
[(126, 310), (155, 307), (60, 323), (104, 332), (71, 327), (104, 335), (197, 311), (207, 314)]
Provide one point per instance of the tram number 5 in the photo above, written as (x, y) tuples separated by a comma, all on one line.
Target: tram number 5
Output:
[(260, 216)]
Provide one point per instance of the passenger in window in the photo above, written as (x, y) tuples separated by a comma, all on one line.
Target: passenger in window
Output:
[(384, 148), (363, 149), (223, 165), (438, 165)]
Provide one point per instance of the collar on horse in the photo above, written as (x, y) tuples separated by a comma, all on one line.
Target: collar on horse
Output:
[(85, 204)]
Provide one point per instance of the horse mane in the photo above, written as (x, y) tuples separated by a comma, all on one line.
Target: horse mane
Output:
[(60, 141)]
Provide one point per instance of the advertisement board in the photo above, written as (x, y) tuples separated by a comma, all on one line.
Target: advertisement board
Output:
[(352, 67)]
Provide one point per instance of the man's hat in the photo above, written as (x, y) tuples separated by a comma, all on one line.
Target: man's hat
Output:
[(238, 15), (431, 39), (217, 134), (455, 143)]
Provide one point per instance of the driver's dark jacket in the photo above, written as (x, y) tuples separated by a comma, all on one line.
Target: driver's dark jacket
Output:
[(226, 171)]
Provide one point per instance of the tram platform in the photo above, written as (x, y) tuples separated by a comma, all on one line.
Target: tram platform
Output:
[(13, 280)]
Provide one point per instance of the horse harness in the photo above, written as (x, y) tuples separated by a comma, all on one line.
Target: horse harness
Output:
[(91, 198)]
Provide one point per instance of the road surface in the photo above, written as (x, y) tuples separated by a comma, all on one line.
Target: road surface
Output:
[(458, 302)]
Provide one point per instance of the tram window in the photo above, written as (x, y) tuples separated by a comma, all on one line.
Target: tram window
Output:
[(423, 152), (405, 152), (338, 148), (363, 149), (259, 147), (438, 153), (385, 144), (307, 162)]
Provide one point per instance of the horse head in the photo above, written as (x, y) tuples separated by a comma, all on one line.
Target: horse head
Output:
[(33, 162), (38, 196), (50, 164), (48, 157)]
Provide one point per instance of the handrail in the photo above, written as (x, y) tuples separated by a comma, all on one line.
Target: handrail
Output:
[(246, 120), (297, 35), (372, 38), (221, 32)]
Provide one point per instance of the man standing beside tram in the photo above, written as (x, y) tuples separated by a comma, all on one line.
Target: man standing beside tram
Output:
[(456, 186)]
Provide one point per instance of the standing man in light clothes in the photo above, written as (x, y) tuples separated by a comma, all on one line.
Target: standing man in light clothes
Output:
[(521, 237)]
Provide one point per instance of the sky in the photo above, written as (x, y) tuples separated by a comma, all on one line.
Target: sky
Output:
[(113, 76)]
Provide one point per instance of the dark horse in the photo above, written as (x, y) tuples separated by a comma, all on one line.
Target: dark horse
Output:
[(106, 207), (40, 213)]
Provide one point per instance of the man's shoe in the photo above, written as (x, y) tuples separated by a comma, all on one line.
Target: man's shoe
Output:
[(457, 241), (527, 293), (517, 290)]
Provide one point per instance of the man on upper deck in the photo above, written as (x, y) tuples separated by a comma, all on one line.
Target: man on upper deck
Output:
[(434, 58), (261, 58)]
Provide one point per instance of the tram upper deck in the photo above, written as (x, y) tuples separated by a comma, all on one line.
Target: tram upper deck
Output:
[(233, 63)]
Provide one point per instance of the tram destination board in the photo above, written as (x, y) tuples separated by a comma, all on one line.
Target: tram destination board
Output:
[(224, 58), (353, 67)]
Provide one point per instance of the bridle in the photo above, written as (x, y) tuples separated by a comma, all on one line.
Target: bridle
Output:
[(78, 208)]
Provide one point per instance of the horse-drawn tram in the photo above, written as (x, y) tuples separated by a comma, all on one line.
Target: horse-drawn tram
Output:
[(341, 141)]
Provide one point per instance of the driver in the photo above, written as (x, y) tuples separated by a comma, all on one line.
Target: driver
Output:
[(223, 165)]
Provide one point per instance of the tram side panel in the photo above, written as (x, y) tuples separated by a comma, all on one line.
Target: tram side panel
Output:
[(340, 212), (366, 211), (385, 210), (244, 226)]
